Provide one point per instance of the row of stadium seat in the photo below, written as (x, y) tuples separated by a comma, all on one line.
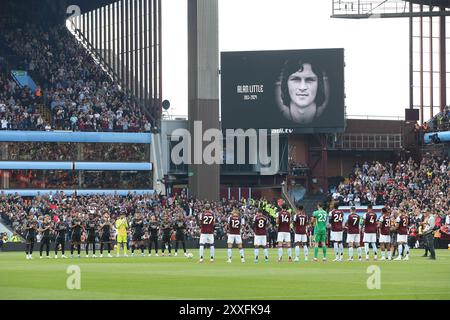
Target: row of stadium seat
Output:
[(80, 95)]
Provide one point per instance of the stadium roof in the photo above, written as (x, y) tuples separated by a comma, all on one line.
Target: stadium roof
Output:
[(437, 3), (46, 11), (89, 5)]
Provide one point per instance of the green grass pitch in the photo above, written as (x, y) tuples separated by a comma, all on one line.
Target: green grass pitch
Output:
[(181, 278)]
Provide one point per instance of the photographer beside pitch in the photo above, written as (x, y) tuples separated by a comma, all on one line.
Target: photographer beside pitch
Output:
[(429, 225)]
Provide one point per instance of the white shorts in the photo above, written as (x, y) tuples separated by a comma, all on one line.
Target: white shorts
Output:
[(353, 238), (232, 238), (402, 238), (385, 238), (336, 236), (284, 237), (301, 238), (370, 237), (206, 239), (260, 241)]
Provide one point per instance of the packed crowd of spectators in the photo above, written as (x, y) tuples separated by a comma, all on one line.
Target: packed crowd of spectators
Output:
[(50, 151), (14, 209), (408, 185), (18, 107), (80, 94), (405, 183), (441, 122), (414, 187), (63, 179)]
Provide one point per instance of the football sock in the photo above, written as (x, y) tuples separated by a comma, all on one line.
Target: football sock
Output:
[(359, 252), (132, 248), (406, 250), (256, 254), (336, 249), (280, 253), (118, 248), (383, 254), (400, 250), (374, 247), (212, 252), (266, 253), (350, 252), (289, 252), (241, 252), (341, 248), (202, 248), (229, 253), (366, 248), (109, 248), (142, 249), (324, 249), (101, 248), (305, 249), (297, 251), (316, 252)]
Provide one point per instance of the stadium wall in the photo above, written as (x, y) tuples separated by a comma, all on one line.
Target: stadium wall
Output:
[(69, 136)]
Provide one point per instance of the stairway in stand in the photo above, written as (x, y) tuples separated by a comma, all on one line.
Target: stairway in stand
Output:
[(45, 112)]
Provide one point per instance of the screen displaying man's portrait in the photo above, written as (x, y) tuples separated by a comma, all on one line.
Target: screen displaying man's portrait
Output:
[(290, 91), (302, 94)]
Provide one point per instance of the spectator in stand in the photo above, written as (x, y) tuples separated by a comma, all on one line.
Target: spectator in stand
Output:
[(80, 94)]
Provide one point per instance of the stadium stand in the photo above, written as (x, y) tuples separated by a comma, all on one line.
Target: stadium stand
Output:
[(43, 151), (77, 92), (413, 186), (441, 121)]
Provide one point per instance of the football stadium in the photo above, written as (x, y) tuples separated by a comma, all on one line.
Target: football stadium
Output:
[(296, 171)]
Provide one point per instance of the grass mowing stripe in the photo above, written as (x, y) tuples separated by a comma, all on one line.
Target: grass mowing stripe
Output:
[(180, 278)]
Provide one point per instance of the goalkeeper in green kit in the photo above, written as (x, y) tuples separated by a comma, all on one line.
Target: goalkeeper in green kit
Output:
[(319, 220)]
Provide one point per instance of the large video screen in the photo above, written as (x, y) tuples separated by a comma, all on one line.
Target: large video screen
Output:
[(292, 91)]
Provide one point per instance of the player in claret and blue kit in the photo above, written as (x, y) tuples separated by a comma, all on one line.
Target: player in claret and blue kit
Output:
[(402, 224), (260, 227), (301, 238), (384, 225), (337, 231), (284, 233), (206, 221), (353, 236), (370, 232), (234, 234)]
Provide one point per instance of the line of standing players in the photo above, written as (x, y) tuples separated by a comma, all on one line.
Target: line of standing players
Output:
[(369, 225), (144, 234)]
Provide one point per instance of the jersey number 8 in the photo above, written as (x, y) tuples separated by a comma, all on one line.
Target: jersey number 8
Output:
[(261, 224)]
